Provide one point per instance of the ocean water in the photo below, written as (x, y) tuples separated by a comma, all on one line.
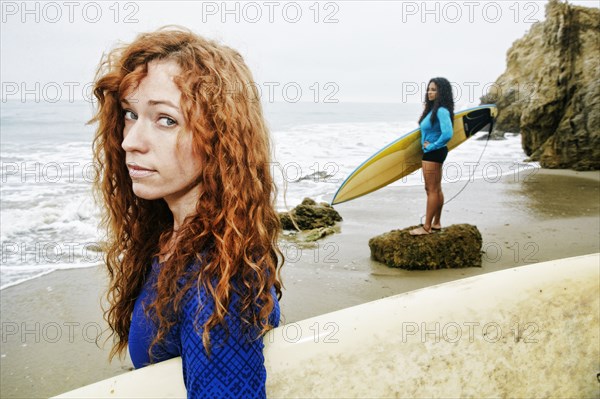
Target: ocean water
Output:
[(49, 218)]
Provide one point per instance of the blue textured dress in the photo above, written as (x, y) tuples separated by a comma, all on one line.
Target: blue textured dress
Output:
[(235, 368)]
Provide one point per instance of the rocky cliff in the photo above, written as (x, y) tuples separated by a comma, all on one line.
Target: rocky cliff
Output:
[(550, 91)]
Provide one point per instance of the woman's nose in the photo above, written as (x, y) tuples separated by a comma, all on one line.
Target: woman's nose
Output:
[(134, 137)]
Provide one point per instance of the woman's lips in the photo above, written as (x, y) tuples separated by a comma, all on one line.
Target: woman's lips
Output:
[(138, 172)]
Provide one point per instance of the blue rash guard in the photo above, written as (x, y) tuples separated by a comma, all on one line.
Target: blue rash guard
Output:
[(438, 134), (235, 367)]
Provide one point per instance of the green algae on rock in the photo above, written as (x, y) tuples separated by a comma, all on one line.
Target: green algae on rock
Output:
[(455, 246), (309, 215), (320, 232)]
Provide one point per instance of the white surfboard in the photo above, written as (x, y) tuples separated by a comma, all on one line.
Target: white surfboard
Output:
[(530, 331)]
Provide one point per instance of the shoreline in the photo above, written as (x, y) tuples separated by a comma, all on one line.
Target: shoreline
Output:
[(49, 323), (561, 206)]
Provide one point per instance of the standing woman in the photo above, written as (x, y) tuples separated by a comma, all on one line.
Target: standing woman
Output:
[(436, 124), (183, 172)]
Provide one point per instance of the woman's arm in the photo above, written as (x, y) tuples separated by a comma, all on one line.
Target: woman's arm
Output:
[(235, 367), (425, 124), (443, 116)]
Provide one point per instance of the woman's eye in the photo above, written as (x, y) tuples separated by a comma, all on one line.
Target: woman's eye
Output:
[(130, 115), (167, 122)]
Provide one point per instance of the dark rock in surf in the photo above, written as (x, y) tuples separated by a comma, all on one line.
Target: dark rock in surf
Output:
[(316, 177), (309, 215)]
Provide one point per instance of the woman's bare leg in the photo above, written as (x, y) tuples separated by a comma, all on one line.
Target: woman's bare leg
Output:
[(432, 173), (436, 222)]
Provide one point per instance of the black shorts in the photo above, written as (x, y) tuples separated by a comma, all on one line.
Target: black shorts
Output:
[(438, 155)]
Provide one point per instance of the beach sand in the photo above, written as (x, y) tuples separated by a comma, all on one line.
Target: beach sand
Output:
[(49, 324)]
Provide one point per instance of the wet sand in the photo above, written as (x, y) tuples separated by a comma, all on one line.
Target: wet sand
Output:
[(49, 325)]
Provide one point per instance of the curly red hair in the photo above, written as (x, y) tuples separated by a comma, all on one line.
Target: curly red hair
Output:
[(235, 226)]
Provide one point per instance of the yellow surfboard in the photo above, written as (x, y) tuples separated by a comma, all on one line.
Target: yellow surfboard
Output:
[(403, 156)]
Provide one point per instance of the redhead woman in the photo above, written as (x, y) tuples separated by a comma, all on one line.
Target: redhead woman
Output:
[(188, 200), (436, 131)]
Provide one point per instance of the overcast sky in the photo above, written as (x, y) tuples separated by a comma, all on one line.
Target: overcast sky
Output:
[(372, 51)]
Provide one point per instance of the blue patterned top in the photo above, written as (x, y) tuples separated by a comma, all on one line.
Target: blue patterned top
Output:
[(235, 367)]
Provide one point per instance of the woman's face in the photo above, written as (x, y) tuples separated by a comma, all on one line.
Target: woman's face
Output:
[(432, 91), (160, 166)]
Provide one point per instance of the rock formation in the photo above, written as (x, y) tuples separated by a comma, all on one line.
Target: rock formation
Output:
[(455, 246), (313, 221), (550, 91), (309, 215)]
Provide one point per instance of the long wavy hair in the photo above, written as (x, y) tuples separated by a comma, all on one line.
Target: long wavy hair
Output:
[(444, 99), (234, 231)]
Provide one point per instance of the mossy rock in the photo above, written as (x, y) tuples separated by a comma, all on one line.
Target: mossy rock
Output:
[(455, 246), (318, 233), (309, 215)]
